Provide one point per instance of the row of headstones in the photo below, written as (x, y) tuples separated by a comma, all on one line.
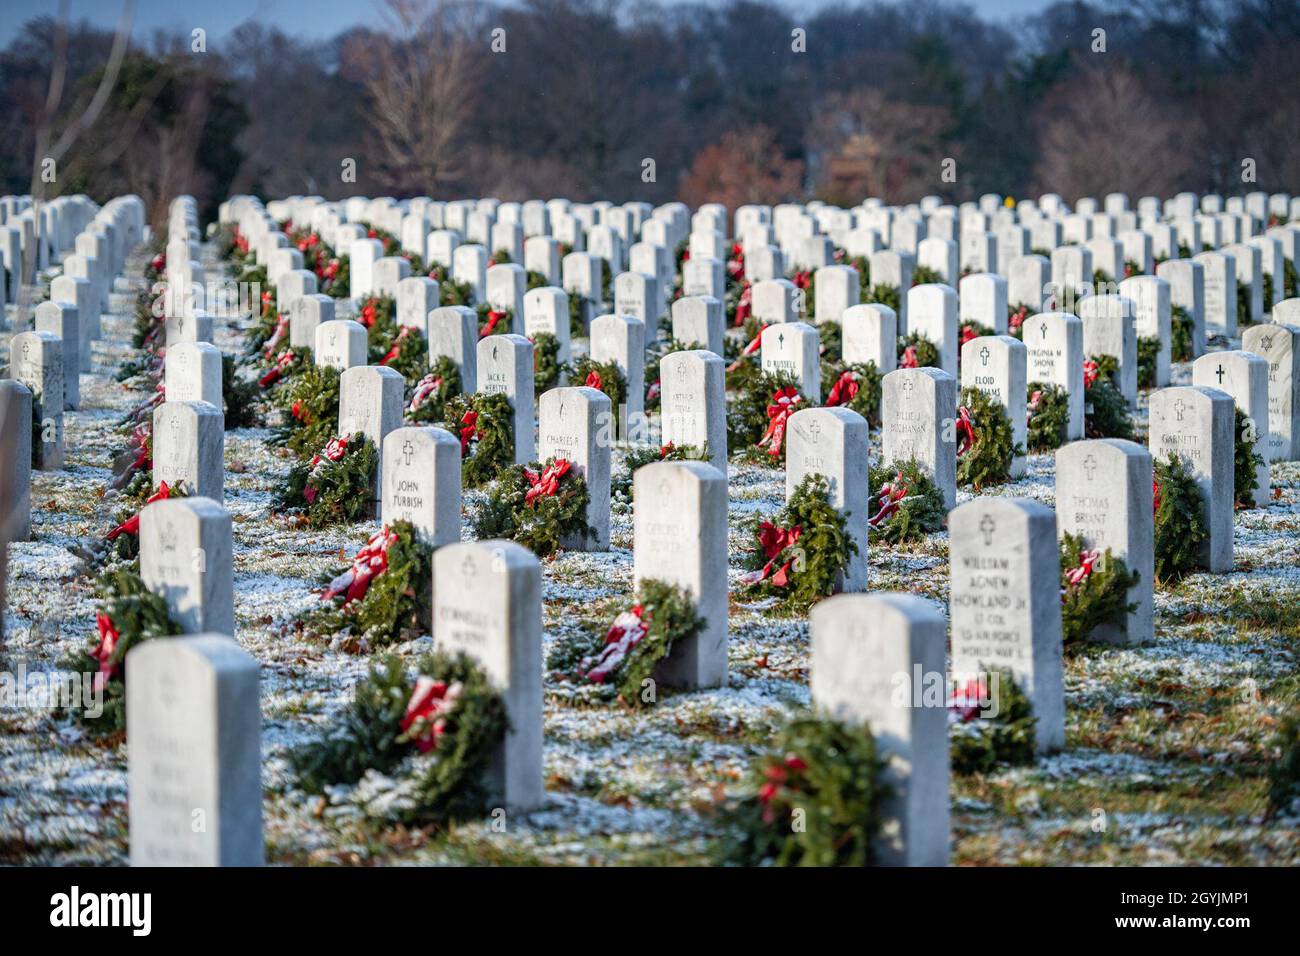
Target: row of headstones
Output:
[(45, 365), (193, 712)]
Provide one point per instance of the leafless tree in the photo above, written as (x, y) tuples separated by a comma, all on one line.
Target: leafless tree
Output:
[(78, 123), (1102, 132), (419, 82)]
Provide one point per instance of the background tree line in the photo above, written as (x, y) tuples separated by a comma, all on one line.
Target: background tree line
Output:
[(587, 90)]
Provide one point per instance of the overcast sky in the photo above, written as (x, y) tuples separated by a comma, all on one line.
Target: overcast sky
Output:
[(314, 19)]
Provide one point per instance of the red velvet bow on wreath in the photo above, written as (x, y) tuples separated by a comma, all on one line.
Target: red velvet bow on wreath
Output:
[(891, 497), (276, 372), (774, 541), (754, 345), (396, 350), (108, 638), (370, 562), (965, 431), (744, 304), (593, 380), (624, 634), (426, 387), (785, 401), (844, 390), (334, 451), (277, 336), (908, 359), (1087, 564), (426, 712), (131, 525), (468, 429), (1090, 373), (547, 483), (493, 317)]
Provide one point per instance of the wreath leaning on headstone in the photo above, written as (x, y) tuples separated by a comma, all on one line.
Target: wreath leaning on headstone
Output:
[(622, 659), (1048, 413), (538, 506), (493, 320), (1094, 590), (335, 485), (547, 367), (620, 488), (985, 443), (916, 351), (129, 614), (383, 596), (800, 557), (1148, 354), (1245, 460), (408, 355), (1180, 524), (412, 748), (815, 799), (1181, 329), (605, 377), (311, 404), (908, 504), (856, 387), (1105, 408), (990, 722), (485, 424), (428, 401), (122, 543), (757, 417)]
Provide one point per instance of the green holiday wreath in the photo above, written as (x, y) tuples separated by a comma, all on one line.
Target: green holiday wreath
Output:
[(1245, 460), (311, 403), (384, 596), (1181, 329), (907, 504), (856, 387), (816, 799), (493, 320), (1290, 279), (429, 398), (750, 416), (1105, 408), (547, 367), (831, 347), (485, 425), (433, 735), (624, 657), (1094, 590), (1048, 409), (606, 377), (985, 434), (885, 295), (620, 488), (1180, 523), (335, 486), (801, 556), (128, 615), (408, 355), (538, 506), (241, 396), (916, 351), (1148, 351), (863, 267), (924, 275), (978, 744), (1244, 316)]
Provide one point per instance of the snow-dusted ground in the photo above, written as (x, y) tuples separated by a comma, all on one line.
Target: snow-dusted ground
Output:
[(1167, 744)]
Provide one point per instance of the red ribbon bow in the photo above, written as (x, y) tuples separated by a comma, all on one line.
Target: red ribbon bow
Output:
[(802, 280), (890, 498), (909, 358), (1155, 496), (427, 710), (967, 333), (426, 387), (593, 380), (784, 403), (965, 431), (774, 540), (1018, 318), (397, 345), (108, 638), (370, 562), (131, 525), (844, 390), (968, 699), (277, 371), (547, 483), (469, 426), (624, 634), (493, 317), (1090, 373), (744, 304), (1087, 563)]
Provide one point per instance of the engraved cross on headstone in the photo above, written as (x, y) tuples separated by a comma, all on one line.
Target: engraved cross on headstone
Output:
[(987, 527), (1219, 373), (408, 450), (1179, 407), (984, 355), (1090, 465)]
